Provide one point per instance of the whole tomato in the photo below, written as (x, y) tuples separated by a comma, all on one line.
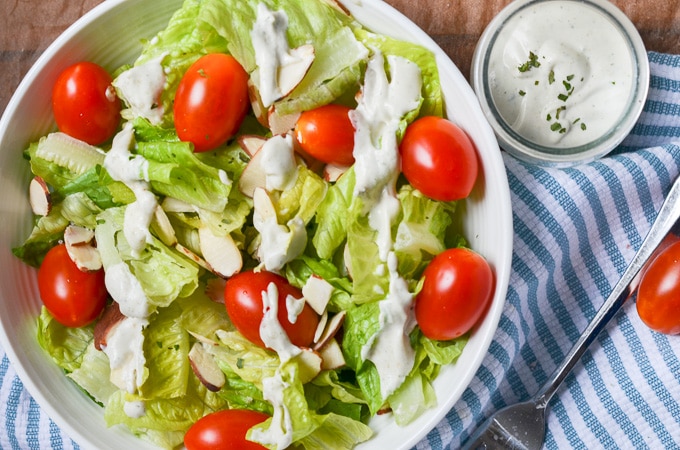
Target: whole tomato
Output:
[(84, 103), (243, 300), (457, 288), (211, 101), (73, 297), (658, 296), (224, 430), (439, 159), (327, 134)]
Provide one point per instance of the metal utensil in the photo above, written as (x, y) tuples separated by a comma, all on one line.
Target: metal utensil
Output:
[(522, 426)]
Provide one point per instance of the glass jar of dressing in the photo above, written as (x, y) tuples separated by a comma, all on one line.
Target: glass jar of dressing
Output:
[(560, 81)]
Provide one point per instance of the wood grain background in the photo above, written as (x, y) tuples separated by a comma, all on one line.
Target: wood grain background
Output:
[(27, 27)]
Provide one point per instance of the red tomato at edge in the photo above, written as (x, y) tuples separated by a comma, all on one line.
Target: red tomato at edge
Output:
[(658, 297), (456, 292), (84, 103), (224, 430), (327, 134), (211, 101), (243, 300), (439, 159), (73, 297)]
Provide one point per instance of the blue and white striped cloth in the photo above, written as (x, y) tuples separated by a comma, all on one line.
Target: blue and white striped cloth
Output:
[(576, 230)]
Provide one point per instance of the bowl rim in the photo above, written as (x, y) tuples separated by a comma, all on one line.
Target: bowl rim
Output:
[(535, 153), (482, 335)]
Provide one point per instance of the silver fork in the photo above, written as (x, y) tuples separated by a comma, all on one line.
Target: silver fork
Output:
[(522, 426)]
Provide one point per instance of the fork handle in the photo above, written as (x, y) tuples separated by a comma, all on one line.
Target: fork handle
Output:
[(665, 220)]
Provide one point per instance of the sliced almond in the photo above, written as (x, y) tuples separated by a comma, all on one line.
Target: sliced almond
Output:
[(331, 356), (253, 176), (317, 293), (332, 173), (80, 247), (39, 197), (251, 143), (281, 123), (263, 205), (205, 368), (192, 256), (109, 319), (292, 73), (220, 252), (332, 328), (309, 363), (321, 326), (259, 110), (163, 228)]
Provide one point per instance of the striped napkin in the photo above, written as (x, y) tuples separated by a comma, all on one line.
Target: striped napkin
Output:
[(576, 230)]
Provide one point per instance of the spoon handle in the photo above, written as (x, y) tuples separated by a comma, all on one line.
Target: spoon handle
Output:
[(668, 215)]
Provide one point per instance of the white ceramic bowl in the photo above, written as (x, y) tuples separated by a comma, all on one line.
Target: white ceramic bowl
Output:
[(111, 35)]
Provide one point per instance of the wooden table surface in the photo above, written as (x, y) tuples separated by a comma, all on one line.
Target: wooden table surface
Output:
[(27, 27)]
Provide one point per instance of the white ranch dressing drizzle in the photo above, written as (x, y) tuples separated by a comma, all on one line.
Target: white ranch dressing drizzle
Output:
[(135, 409), (382, 105), (125, 349), (271, 52), (126, 290), (278, 243), (280, 431), (390, 349), (132, 170), (573, 43), (141, 87), (278, 163), (271, 332)]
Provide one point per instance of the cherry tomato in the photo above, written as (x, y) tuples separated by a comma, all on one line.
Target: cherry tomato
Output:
[(455, 293), (211, 101), (85, 104), (327, 134), (243, 300), (73, 297), (438, 159), (658, 297), (224, 430)]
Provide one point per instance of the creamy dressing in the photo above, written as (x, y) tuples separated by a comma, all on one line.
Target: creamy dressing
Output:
[(384, 101), (294, 306), (560, 73), (271, 53), (141, 88), (390, 349), (271, 332), (126, 290), (280, 431), (278, 243), (125, 349), (381, 106), (278, 163), (135, 409), (132, 170)]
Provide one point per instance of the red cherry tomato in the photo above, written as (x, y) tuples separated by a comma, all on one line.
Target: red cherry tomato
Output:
[(658, 297), (211, 101), (327, 134), (73, 297), (224, 430), (438, 159), (455, 293), (243, 300), (85, 104)]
